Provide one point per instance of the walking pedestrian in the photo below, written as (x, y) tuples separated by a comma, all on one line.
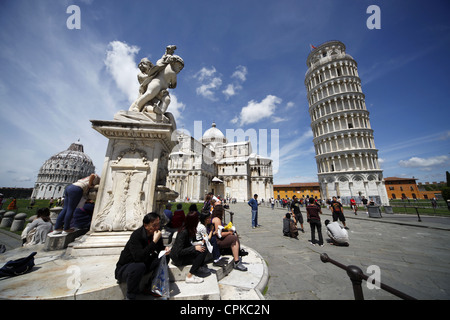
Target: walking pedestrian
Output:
[(354, 206)]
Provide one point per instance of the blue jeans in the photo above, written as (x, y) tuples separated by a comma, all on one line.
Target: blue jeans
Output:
[(72, 196), (254, 218)]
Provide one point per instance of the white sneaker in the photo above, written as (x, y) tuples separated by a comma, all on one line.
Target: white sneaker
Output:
[(193, 279), (54, 232)]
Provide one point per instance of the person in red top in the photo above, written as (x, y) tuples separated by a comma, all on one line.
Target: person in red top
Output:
[(178, 217), (353, 205)]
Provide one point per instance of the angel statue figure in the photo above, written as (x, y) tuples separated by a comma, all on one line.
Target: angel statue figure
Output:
[(154, 81)]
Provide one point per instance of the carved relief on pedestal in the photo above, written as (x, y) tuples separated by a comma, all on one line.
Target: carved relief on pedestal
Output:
[(124, 207)]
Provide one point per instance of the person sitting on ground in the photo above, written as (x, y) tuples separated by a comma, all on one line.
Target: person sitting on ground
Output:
[(36, 232), (184, 253), (337, 234), (82, 217), (140, 255), (290, 226), (178, 217), (228, 239)]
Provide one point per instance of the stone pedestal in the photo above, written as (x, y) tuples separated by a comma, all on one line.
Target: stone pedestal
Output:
[(8, 219), (133, 177), (19, 222)]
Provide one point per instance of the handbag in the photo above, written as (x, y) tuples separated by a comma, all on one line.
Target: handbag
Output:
[(18, 267)]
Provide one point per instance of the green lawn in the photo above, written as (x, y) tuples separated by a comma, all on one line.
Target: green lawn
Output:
[(22, 206)]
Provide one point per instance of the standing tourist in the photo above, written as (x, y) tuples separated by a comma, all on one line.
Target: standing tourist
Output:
[(295, 209), (253, 203), (354, 206), (313, 212), (72, 197), (337, 211)]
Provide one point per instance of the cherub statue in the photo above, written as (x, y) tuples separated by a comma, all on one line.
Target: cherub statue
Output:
[(155, 80)]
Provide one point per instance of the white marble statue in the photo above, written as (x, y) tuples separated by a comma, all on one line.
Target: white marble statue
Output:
[(155, 80)]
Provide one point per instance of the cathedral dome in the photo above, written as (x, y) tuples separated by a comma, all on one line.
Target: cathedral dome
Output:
[(213, 138), (213, 133), (62, 169)]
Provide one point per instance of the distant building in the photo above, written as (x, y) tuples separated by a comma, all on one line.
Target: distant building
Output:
[(402, 188), (62, 169), (215, 165), (406, 188), (346, 157), (431, 190), (301, 189)]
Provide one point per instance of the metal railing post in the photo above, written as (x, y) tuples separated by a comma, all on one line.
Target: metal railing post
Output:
[(417, 211), (356, 276)]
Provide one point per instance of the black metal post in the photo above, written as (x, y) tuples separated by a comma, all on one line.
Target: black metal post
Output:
[(355, 274), (417, 211)]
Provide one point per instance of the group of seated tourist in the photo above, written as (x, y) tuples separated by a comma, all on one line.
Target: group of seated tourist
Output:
[(198, 237)]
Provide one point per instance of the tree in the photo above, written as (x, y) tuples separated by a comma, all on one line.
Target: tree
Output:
[(448, 178)]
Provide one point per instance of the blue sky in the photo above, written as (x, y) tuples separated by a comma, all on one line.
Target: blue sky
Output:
[(245, 63)]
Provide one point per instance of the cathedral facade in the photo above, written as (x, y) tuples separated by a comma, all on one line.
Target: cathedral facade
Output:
[(212, 164)]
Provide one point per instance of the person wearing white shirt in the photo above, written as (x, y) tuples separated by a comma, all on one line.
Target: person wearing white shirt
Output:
[(337, 233)]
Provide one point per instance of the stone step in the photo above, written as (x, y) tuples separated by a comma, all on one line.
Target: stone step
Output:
[(207, 290), (61, 241), (180, 273)]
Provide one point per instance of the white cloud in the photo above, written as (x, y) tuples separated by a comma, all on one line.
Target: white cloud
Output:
[(292, 149), (416, 162), (176, 107), (205, 73), (256, 111), (207, 90), (240, 73), (290, 105), (120, 63), (209, 83), (231, 90)]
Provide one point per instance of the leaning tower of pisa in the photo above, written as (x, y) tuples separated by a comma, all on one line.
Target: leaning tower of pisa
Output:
[(347, 160)]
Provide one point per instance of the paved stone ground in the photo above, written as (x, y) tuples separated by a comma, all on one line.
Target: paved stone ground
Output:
[(413, 257)]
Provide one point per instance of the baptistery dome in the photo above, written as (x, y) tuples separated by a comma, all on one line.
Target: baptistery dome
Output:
[(62, 169)]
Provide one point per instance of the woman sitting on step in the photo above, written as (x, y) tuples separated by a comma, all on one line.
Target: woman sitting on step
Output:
[(184, 253), (226, 239)]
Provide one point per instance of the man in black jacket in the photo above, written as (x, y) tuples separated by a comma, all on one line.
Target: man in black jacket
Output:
[(140, 254)]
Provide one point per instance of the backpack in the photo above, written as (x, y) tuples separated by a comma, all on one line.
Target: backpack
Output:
[(18, 267)]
